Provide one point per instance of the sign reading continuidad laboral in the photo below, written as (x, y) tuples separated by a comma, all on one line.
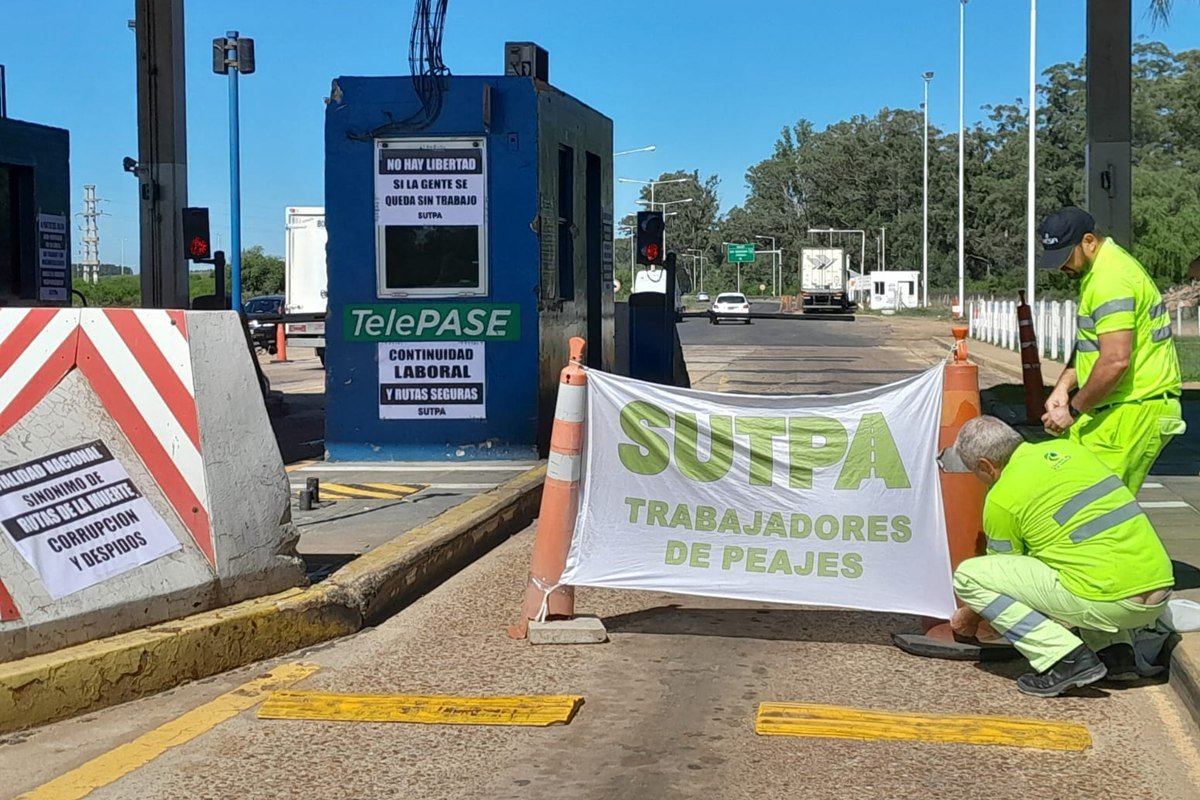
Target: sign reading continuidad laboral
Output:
[(77, 518), (431, 381), (821, 500), (432, 322)]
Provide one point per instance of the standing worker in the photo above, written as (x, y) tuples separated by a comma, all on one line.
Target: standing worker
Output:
[(1124, 363), (1066, 543)]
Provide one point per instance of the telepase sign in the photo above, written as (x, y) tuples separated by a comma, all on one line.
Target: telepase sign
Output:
[(432, 322), (77, 519), (829, 501)]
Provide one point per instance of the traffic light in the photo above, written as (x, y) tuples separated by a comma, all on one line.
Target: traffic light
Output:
[(220, 62), (650, 227), (197, 244), (245, 56)]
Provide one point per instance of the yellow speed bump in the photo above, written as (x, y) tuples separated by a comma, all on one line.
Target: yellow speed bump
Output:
[(534, 710), (369, 491), (839, 722)]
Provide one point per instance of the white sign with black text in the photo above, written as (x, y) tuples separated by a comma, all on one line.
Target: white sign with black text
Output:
[(77, 518), (419, 186), (431, 380), (53, 280)]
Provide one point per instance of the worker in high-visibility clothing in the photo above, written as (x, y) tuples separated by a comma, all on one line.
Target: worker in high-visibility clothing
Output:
[(1124, 362), (1068, 546)]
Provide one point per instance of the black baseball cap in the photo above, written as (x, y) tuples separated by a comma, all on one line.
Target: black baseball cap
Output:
[(1060, 232)]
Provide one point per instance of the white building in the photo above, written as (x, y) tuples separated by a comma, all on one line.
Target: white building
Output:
[(894, 289)]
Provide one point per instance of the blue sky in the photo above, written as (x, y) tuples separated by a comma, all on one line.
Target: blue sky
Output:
[(732, 74)]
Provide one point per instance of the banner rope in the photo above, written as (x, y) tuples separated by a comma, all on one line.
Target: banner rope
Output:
[(546, 590)]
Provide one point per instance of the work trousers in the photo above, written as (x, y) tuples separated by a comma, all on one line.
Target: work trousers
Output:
[(1023, 599), (1128, 437)]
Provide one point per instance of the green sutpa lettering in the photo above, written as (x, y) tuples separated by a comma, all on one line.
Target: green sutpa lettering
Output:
[(657, 437), (764, 560), (826, 527)]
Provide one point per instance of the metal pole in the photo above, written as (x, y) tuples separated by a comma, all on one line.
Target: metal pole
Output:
[(925, 199), (962, 18), (1031, 190), (235, 188), (883, 248)]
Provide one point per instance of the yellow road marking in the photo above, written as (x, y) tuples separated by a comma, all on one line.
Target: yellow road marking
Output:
[(299, 465), (1178, 729), (119, 762), (536, 710), (368, 491), (838, 722), (394, 487)]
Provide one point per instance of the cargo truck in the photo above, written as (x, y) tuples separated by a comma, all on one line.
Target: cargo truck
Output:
[(305, 279), (823, 279)]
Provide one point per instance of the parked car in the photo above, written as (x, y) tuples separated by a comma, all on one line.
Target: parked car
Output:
[(263, 314), (702, 297), (730, 305)]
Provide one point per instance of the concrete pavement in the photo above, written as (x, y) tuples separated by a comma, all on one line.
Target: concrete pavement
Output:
[(669, 702)]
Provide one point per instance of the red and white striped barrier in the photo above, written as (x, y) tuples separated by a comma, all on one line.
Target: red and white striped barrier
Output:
[(161, 408)]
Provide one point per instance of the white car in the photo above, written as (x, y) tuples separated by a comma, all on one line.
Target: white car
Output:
[(730, 305)]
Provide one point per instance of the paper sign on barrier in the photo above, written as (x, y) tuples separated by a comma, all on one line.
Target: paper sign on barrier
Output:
[(816, 500)]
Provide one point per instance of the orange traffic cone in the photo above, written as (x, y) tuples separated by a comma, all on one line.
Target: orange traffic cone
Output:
[(544, 598), (962, 496)]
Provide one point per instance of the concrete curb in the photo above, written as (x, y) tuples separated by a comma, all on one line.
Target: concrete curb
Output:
[(45, 688)]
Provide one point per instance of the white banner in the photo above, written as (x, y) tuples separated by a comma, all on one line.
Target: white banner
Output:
[(77, 518), (819, 500)]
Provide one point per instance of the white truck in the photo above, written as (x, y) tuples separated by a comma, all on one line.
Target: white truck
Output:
[(305, 278), (823, 279)]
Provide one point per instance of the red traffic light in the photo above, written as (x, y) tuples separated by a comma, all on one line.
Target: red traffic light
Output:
[(197, 248), (652, 252)]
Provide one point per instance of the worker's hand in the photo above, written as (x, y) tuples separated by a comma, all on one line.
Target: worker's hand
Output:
[(1057, 419), (1057, 399), (965, 621)]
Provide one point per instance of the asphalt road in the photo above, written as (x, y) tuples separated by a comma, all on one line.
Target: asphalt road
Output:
[(669, 700)]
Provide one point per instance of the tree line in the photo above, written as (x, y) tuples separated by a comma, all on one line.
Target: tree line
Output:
[(866, 173)]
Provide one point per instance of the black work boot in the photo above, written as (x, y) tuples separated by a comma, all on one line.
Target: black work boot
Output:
[(1120, 662), (1077, 668)]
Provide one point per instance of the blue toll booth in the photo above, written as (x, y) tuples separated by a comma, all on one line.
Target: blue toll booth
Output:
[(463, 254), (35, 214)]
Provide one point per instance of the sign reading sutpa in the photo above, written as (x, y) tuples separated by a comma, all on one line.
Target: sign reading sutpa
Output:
[(77, 518), (434, 322), (817, 500), (442, 186), (431, 381)]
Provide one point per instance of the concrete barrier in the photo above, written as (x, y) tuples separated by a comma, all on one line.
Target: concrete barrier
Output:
[(139, 478)]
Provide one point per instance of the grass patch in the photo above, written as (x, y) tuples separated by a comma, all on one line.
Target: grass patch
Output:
[(1189, 357)]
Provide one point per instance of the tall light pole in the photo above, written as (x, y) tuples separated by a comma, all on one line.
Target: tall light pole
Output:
[(700, 255), (962, 21), (928, 76), (772, 238), (1031, 189), (233, 55)]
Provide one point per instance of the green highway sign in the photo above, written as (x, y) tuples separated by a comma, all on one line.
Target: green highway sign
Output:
[(739, 253)]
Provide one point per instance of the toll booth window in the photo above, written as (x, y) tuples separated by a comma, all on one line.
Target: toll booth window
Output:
[(431, 258), (431, 220)]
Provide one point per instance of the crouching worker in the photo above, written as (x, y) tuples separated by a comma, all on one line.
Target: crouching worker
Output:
[(1067, 547)]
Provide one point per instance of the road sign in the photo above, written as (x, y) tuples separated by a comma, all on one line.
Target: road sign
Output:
[(739, 253)]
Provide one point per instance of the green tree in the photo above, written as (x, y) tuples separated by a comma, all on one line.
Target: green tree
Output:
[(261, 273)]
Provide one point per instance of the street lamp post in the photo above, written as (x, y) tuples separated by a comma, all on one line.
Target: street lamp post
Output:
[(962, 17), (700, 255), (774, 293), (928, 76), (1031, 189)]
